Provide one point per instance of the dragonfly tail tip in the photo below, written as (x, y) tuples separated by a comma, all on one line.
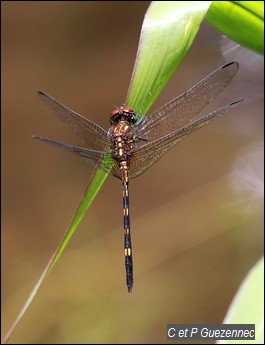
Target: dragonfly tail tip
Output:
[(129, 287)]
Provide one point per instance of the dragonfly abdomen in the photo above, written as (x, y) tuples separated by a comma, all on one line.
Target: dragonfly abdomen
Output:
[(126, 225)]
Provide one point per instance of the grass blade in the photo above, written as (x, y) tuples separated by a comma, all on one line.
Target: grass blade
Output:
[(168, 31)]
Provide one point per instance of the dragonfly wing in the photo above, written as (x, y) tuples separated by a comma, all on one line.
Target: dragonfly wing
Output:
[(183, 110), (98, 159), (145, 156), (93, 135)]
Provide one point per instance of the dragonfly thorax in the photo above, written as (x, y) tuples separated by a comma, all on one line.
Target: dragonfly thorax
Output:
[(122, 140), (123, 113), (120, 129)]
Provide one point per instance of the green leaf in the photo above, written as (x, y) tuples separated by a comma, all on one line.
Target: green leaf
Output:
[(248, 305), (242, 21), (168, 31)]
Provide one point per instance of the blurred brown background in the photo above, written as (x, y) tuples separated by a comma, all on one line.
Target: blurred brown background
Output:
[(197, 215)]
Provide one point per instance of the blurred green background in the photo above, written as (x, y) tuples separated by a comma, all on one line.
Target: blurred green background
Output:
[(197, 215)]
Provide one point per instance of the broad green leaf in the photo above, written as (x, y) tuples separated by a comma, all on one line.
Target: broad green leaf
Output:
[(247, 306), (168, 31), (242, 21)]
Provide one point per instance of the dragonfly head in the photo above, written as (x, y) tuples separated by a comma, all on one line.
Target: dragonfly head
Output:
[(123, 113)]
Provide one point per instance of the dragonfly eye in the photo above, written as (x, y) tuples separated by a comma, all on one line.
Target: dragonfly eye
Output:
[(114, 119), (123, 113)]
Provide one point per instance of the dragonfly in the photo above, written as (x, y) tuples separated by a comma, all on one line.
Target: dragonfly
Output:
[(134, 143)]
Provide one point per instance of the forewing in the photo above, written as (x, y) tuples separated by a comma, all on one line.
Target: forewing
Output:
[(93, 136), (183, 110)]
